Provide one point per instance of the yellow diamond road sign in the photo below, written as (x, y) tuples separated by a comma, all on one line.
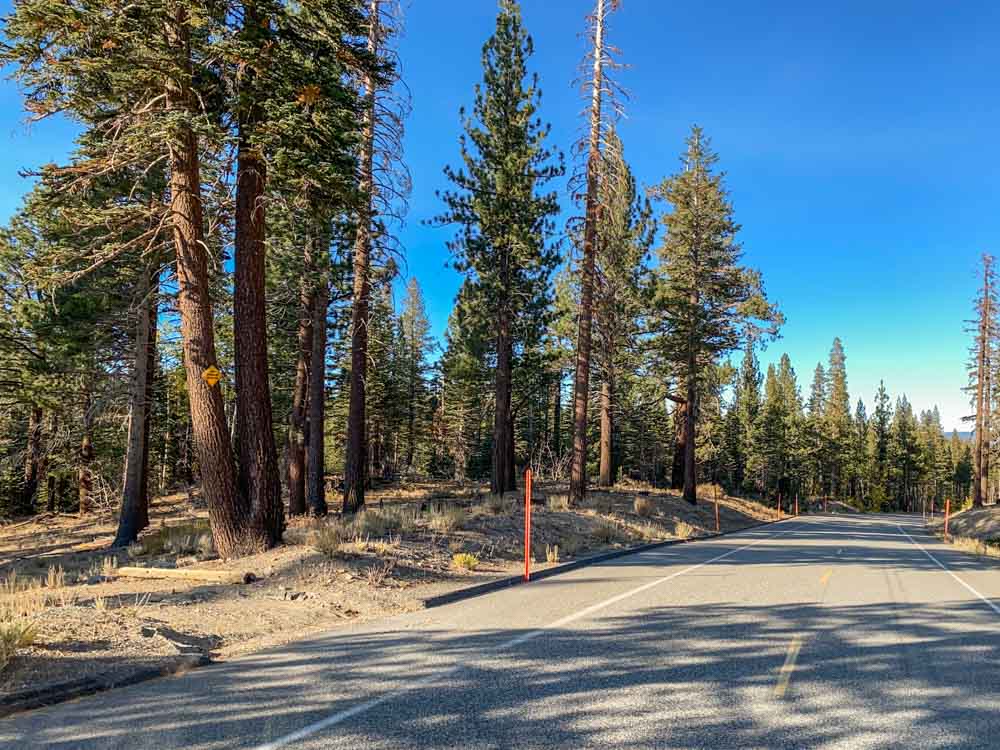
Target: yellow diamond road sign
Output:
[(212, 375)]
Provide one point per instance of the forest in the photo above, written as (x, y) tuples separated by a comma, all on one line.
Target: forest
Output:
[(231, 208)]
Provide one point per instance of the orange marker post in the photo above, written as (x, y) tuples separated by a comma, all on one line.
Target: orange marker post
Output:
[(527, 525), (779, 504), (947, 514), (718, 526), (796, 503)]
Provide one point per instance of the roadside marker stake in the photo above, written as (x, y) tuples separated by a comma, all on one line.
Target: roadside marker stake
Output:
[(527, 524), (947, 513), (796, 503)]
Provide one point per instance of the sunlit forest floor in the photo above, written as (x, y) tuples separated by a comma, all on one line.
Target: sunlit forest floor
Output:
[(415, 541)]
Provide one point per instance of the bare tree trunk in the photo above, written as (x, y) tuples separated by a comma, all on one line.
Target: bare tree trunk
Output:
[(134, 515), (606, 468), (316, 488), (296, 454), (227, 509), (258, 476), (981, 451), (356, 460), (32, 461), (581, 391)]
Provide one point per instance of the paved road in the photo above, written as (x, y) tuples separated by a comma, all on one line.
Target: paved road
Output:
[(818, 632)]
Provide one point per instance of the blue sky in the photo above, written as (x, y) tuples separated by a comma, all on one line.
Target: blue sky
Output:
[(859, 138)]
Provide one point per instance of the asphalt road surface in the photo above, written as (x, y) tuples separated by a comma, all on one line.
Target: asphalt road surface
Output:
[(817, 632)]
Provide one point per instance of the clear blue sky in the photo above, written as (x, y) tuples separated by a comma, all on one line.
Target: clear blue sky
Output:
[(860, 140)]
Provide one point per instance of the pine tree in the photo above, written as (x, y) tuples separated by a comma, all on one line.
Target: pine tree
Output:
[(505, 221), (415, 345), (837, 419), (599, 87), (746, 407), (815, 434), (980, 374), (706, 302), (625, 234)]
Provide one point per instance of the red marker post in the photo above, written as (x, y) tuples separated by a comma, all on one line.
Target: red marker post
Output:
[(796, 504), (527, 525), (947, 513)]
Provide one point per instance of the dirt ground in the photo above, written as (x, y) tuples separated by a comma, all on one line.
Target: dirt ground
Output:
[(975, 523), (57, 570)]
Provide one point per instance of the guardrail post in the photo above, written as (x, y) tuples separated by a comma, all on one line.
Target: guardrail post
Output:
[(527, 524)]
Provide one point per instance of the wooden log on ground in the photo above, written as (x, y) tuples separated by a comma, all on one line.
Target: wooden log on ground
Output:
[(189, 574)]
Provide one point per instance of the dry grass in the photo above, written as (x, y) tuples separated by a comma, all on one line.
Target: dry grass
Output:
[(985, 547), (606, 532), (557, 501), (446, 520), (377, 574), (14, 636), (189, 538), (552, 553), (465, 561), (643, 506), (684, 530)]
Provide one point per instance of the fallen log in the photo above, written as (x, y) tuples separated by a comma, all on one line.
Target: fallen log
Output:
[(189, 574)]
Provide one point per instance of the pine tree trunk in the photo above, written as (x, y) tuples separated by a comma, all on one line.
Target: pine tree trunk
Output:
[(296, 452), (227, 510), (134, 513), (606, 468), (315, 473), (32, 461), (557, 417), (581, 390), (147, 417), (85, 480), (258, 477), (356, 460), (501, 474), (411, 409), (690, 418), (680, 446)]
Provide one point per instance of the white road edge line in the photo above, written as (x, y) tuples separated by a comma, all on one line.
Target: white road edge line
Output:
[(341, 716), (985, 600)]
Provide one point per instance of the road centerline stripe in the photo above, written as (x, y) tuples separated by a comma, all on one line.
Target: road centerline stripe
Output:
[(360, 708), (985, 599), (785, 674)]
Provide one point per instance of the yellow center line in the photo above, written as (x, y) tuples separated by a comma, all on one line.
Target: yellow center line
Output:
[(785, 675)]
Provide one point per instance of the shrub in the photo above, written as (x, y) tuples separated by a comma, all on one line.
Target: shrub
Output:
[(14, 636), (497, 504), (683, 530), (445, 520), (552, 553), (180, 539), (605, 532), (465, 561), (377, 574), (557, 501), (327, 539), (643, 506)]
